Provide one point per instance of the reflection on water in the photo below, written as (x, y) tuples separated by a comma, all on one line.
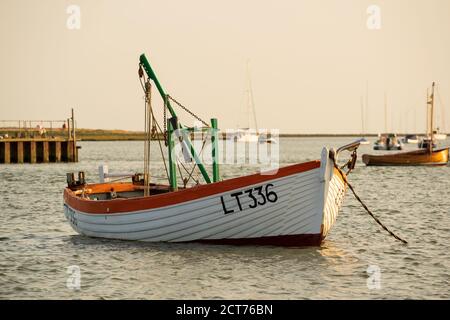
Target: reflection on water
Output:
[(37, 245)]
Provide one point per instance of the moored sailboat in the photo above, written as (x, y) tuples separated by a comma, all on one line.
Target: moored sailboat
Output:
[(427, 156), (388, 141)]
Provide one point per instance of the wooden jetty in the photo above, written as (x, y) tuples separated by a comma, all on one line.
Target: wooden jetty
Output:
[(30, 143)]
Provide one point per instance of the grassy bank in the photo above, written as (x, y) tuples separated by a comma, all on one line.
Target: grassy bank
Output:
[(109, 135), (124, 135)]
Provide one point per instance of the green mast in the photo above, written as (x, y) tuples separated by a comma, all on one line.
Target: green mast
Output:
[(215, 150), (151, 74)]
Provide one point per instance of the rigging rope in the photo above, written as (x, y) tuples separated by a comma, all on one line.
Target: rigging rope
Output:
[(364, 205), (149, 132), (160, 148), (188, 111)]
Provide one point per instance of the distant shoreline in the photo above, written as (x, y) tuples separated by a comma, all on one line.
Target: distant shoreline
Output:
[(124, 135)]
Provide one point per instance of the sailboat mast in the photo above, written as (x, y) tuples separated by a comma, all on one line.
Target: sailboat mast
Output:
[(362, 117), (415, 120), (428, 114), (385, 113), (432, 114), (251, 100), (367, 101)]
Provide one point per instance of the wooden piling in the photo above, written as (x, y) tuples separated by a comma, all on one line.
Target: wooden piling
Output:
[(7, 153), (32, 152), (45, 151), (19, 151), (57, 151)]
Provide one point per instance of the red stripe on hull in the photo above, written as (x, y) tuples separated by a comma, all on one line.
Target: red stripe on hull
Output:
[(298, 240), (171, 198)]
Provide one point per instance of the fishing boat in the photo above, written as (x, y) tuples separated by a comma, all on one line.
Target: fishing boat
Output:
[(427, 156), (295, 205)]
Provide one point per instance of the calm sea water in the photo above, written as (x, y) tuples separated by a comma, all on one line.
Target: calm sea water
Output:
[(37, 245)]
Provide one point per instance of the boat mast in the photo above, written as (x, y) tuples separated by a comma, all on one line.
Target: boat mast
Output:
[(415, 120), (250, 99), (367, 102), (362, 117), (385, 113), (427, 132), (431, 102)]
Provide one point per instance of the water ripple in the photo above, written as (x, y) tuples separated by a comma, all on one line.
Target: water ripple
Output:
[(38, 246)]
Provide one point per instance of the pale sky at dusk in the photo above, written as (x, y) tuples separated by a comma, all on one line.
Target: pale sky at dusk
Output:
[(310, 61)]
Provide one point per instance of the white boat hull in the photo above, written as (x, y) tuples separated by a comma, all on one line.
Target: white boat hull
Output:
[(440, 136), (305, 209)]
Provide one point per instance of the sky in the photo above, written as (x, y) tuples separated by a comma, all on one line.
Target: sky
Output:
[(311, 61)]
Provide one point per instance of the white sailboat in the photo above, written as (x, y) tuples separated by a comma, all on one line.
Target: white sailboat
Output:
[(387, 141), (249, 134)]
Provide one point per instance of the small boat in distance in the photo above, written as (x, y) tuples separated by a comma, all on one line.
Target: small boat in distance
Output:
[(439, 136), (410, 139), (387, 141), (422, 157), (364, 141)]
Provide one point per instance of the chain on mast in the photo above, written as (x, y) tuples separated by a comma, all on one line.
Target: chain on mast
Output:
[(148, 133)]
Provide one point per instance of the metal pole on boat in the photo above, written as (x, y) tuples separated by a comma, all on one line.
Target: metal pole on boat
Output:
[(431, 118), (215, 150), (74, 145), (385, 113), (172, 165)]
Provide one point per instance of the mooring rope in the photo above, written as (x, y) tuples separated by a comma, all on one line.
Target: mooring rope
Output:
[(365, 207)]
